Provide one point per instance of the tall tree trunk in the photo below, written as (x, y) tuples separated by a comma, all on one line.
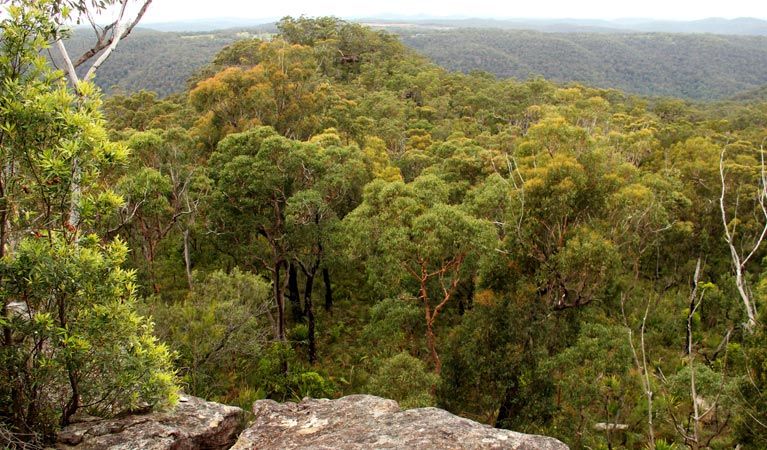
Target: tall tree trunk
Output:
[(293, 294), (433, 346), (430, 338), (309, 311), (188, 260), (328, 289), (507, 410), (152, 278), (279, 299)]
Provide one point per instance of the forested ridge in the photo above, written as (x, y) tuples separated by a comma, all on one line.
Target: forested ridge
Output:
[(685, 65), (693, 66), (326, 213)]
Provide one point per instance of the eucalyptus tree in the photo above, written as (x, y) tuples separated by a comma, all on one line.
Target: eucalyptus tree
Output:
[(313, 215), (163, 188), (255, 173), (415, 245)]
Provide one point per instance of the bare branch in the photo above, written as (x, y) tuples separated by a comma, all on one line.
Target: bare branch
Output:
[(107, 38), (70, 68)]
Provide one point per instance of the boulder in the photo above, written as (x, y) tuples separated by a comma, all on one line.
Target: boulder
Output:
[(193, 424), (358, 422)]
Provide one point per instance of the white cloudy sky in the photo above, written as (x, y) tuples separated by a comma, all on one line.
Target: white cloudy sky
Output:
[(171, 10)]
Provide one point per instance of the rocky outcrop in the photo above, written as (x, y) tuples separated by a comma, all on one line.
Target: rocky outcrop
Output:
[(366, 422), (193, 424), (355, 422)]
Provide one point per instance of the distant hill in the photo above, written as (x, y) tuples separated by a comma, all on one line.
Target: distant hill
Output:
[(694, 66), (210, 24), (743, 26), (738, 27)]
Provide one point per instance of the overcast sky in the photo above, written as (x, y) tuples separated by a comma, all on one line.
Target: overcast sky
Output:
[(173, 10)]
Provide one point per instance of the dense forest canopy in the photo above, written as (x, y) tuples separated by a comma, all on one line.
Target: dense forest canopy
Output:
[(326, 212)]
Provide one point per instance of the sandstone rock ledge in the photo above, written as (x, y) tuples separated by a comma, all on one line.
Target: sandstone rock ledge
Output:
[(194, 424), (358, 422)]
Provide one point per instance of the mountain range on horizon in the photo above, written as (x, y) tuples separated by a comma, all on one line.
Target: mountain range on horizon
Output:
[(714, 25)]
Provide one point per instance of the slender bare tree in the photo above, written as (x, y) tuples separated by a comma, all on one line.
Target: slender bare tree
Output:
[(642, 365), (111, 21), (742, 250)]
